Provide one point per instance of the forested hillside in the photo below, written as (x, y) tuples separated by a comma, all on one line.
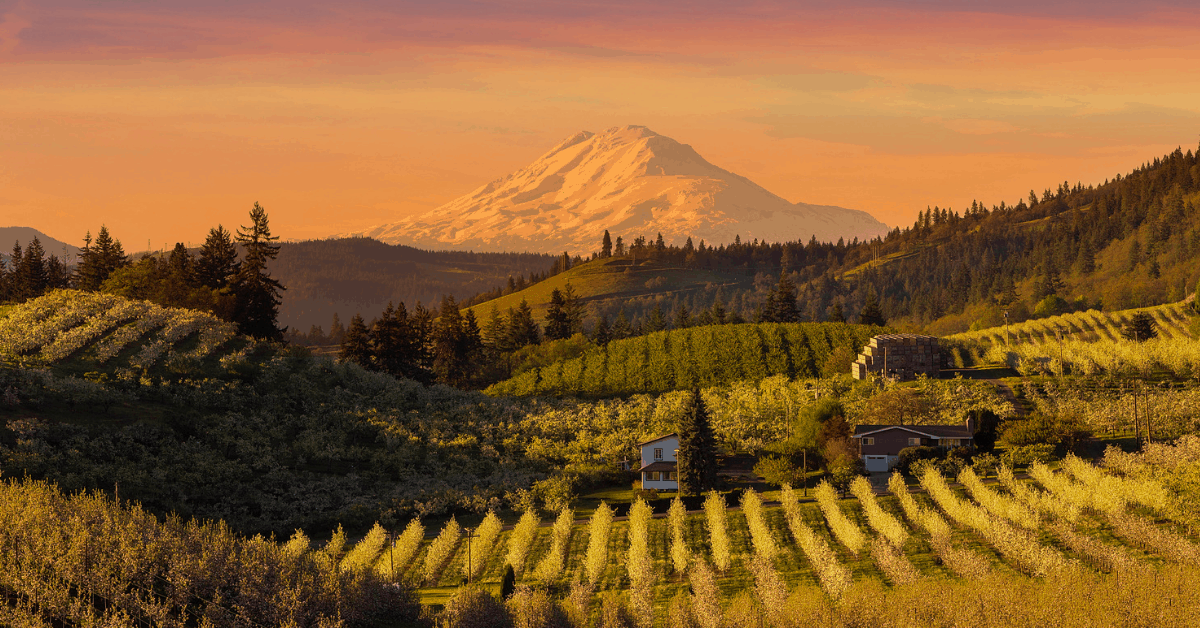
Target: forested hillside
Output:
[(1130, 242), (360, 275)]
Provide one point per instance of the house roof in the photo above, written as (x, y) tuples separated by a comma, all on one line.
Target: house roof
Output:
[(930, 431), (661, 465), (658, 438)]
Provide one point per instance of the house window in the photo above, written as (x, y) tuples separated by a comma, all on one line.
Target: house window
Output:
[(914, 441), (951, 442), (868, 440), (658, 453), (671, 476), (652, 476)]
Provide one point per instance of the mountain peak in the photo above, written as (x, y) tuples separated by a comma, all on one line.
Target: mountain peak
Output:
[(630, 181)]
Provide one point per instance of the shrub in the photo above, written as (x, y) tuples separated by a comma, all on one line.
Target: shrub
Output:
[(1061, 431), (910, 455), (778, 470), (1027, 455)]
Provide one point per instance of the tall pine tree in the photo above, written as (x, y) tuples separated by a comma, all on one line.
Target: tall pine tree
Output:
[(696, 460), (356, 346), (218, 259), (257, 309)]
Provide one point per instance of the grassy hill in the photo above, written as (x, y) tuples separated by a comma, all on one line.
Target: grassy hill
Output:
[(609, 284), (682, 359)]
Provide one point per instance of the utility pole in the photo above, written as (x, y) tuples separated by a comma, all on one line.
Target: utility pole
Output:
[(470, 533), (806, 472), (1061, 366), (391, 557)]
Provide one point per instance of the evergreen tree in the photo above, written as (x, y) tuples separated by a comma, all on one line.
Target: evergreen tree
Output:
[(522, 329), (656, 322), (257, 306), (57, 275), (495, 331), (218, 259), (683, 319), (1086, 259), (1140, 328), (606, 245), (179, 278), (620, 247), (836, 315), (356, 346), (718, 312), (696, 460), (621, 328), (659, 244), (16, 282), (336, 331), (783, 304), (32, 278), (98, 260), (455, 343), (391, 343), (1135, 255), (871, 313), (574, 310), (603, 333), (557, 326)]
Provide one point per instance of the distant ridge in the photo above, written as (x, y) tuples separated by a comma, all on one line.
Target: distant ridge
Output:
[(630, 181), (25, 235)]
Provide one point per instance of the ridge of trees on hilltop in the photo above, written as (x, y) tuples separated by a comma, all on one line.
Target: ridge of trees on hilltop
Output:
[(236, 288)]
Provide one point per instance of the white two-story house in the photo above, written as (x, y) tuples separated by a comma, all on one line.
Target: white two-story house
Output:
[(658, 463)]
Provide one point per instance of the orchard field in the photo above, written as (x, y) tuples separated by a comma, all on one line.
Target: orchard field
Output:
[(106, 332), (782, 563)]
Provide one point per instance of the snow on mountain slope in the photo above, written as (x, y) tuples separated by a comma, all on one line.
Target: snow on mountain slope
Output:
[(630, 181)]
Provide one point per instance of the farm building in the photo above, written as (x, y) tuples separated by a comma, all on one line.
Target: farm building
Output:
[(880, 445), (658, 463), (902, 356)]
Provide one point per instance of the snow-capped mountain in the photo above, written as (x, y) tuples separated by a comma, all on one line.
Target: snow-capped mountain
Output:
[(630, 181)]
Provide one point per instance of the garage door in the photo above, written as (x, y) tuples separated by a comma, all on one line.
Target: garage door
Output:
[(876, 464)]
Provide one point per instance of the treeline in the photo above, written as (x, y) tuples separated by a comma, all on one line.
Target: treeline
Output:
[(29, 273), (235, 287), (89, 560), (424, 346), (697, 357)]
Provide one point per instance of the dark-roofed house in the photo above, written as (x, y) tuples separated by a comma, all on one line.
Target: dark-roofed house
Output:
[(658, 463), (880, 445)]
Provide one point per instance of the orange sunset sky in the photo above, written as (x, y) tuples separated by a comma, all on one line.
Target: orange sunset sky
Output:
[(164, 118)]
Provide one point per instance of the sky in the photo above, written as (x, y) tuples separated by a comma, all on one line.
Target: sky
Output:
[(163, 118)]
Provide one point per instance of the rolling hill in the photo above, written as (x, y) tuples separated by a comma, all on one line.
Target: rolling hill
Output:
[(361, 275), (630, 181)]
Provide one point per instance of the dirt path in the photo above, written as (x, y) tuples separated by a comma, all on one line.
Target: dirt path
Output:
[(1009, 396)]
